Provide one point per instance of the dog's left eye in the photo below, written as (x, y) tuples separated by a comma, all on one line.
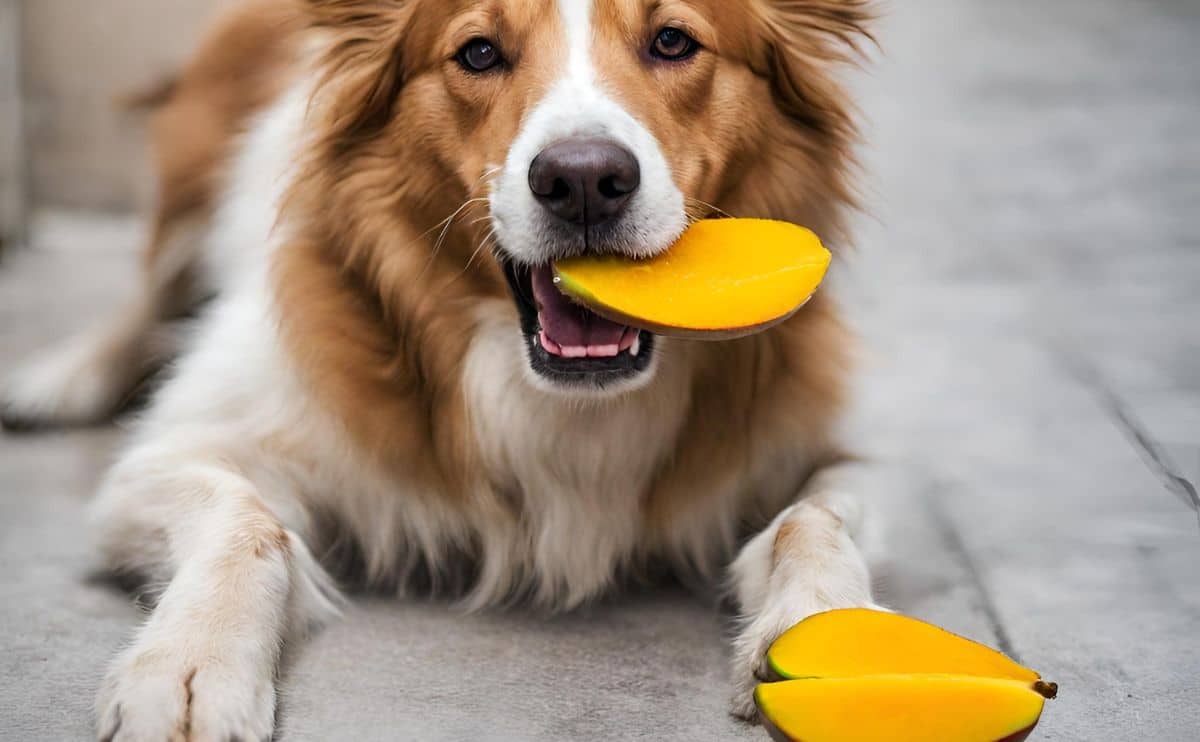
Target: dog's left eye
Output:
[(673, 45), (479, 55)]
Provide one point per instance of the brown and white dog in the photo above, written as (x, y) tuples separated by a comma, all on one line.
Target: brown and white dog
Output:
[(373, 190)]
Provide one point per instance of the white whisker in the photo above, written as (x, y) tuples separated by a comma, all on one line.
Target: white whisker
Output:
[(710, 207), (445, 224)]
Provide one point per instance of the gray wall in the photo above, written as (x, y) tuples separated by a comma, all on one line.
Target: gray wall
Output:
[(80, 57), (12, 160)]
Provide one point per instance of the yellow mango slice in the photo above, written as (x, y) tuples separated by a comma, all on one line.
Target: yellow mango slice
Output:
[(724, 278), (859, 641), (858, 674), (899, 708)]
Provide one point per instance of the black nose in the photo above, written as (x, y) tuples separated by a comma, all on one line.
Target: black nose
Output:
[(585, 181)]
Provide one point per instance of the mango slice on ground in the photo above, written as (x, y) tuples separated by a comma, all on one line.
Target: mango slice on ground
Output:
[(860, 641), (900, 708), (724, 278), (862, 675)]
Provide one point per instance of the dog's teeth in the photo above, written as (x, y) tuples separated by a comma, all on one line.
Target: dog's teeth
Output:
[(637, 346), (603, 351), (627, 338), (550, 346)]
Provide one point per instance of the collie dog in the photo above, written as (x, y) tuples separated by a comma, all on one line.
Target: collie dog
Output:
[(365, 197)]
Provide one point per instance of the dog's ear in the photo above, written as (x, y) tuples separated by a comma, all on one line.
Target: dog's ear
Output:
[(804, 40), (362, 67)]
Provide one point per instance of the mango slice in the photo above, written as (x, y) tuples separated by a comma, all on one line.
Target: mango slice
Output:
[(899, 708), (859, 674), (859, 641), (724, 278)]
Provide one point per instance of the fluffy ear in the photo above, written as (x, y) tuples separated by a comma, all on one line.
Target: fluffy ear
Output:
[(362, 66), (804, 40)]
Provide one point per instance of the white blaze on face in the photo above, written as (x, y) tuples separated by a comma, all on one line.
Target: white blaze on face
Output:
[(576, 105), (577, 22)]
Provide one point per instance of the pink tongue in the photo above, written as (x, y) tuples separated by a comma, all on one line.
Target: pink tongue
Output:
[(569, 325)]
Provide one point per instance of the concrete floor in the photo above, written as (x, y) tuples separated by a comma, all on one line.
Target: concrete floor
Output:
[(1029, 288)]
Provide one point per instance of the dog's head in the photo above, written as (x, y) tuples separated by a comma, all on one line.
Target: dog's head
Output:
[(564, 127)]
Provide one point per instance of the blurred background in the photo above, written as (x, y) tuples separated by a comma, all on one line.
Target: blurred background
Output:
[(1027, 283), (64, 66)]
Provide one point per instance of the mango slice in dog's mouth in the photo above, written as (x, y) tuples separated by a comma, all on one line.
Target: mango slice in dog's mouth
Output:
[(859, 674), (724, 278)]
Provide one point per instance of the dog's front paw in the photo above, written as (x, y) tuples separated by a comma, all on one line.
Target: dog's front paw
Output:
[(159, 695), (750, 666), (750, 661)]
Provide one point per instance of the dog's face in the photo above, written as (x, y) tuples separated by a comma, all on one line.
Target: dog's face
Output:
[(595, 126)]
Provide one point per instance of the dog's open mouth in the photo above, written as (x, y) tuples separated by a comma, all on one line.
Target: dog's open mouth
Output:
[(568, 343)]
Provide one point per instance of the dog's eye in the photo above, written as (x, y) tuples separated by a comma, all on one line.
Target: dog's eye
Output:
[(673, 45), (479, 55)]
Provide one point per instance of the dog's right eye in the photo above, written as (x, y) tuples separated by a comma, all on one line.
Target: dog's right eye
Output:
[(479, 55), (673, 45)]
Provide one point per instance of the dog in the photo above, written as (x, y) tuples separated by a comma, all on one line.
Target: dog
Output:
[(360, 200)]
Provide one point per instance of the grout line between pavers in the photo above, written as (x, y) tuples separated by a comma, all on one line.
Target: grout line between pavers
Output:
[(954, 543), (1152, 453)]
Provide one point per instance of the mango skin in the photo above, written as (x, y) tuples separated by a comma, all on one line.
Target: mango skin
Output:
[(723, 279), (899, 708)]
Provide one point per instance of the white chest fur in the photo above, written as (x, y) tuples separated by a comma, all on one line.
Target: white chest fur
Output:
[(579, 468)]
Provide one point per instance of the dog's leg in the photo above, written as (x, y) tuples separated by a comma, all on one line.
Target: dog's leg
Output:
[(805, 562), (203, 666), (87, 378)]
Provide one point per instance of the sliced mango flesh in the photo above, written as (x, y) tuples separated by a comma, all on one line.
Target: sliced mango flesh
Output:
[(859, 641), (724, 278), (900, 708), (858, 674)]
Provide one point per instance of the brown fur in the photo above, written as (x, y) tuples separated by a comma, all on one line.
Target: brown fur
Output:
[(240, 67)]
